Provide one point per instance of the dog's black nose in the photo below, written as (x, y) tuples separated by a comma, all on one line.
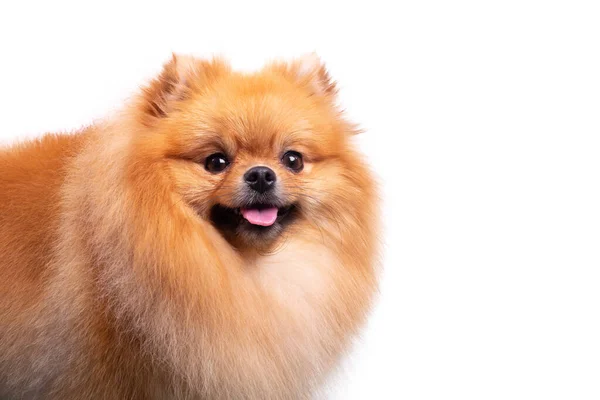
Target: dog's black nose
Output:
[(261, 179)]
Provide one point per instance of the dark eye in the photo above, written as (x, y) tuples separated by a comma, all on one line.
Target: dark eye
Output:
[(216, 163), (293, 161)]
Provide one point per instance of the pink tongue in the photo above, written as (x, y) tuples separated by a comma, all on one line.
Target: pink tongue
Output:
[(264, 217)]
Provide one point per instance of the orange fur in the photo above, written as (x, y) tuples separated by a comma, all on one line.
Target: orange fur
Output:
[(115, 284)]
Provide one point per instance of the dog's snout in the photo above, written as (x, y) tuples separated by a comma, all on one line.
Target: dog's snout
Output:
[(260, 179)]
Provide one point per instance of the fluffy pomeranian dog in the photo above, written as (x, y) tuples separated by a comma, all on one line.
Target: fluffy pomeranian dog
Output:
[(216, 239)]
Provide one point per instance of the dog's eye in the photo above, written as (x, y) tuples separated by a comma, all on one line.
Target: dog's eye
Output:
[(293, 161), (216, 163)]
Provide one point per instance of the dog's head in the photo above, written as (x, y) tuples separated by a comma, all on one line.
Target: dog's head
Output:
[(254, 154)]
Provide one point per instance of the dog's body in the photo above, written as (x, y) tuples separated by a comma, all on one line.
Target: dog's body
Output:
[(117, 284)]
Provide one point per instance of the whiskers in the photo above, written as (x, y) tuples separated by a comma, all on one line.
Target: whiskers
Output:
[(318, 208)]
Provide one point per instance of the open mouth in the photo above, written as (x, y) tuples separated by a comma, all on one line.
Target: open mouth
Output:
[(256, 217)]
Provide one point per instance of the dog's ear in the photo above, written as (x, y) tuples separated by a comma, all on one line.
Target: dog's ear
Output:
[(311, 73), (179, 79)]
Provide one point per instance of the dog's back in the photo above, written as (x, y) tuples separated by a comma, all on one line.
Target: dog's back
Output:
[(31, 174)]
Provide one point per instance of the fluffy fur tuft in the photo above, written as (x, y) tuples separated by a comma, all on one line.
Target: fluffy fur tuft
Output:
[(118, 284)]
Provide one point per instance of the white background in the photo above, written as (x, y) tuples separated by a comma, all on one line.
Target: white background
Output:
[(482, 120)]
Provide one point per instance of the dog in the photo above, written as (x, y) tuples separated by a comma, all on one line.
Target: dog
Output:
[(217, 238)]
